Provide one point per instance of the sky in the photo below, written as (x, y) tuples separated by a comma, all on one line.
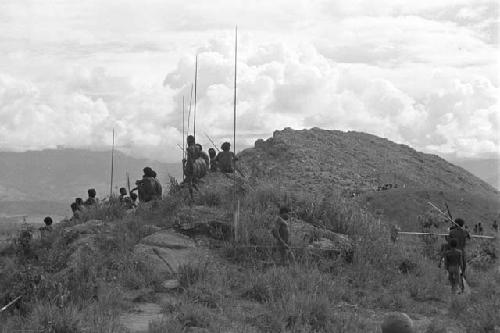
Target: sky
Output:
[(423, 73)]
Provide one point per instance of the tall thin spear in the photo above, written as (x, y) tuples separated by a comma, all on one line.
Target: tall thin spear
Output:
[(189, 111), (183, 139), (237, 204), (112, 165), (183, 134), (195, 85)]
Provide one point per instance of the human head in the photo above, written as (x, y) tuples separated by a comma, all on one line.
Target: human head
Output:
[(459, 221), (133, 196), (153, 174), (92, 193), (284, 212), (123, 191), (199, 147), (211, 152), (147, 171), (79, 201), (190, 140), (47, 220), (453, 243), (226, 146), (74, 207)]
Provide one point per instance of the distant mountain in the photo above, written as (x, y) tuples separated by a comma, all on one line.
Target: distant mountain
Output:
[(60, 175), (319, 161), (486, 169)]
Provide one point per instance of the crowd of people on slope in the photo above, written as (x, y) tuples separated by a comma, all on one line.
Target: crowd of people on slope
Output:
[(147, 189)]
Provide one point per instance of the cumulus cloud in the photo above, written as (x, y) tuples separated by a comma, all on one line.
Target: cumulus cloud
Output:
[(300, 87), (422, 73)]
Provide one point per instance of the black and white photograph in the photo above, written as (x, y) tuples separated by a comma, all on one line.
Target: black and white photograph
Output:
[(227, 166)]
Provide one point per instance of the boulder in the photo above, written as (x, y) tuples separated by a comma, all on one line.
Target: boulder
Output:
[(203, 220), (166, 250), (168, 239), (165, 260), (397, 322)]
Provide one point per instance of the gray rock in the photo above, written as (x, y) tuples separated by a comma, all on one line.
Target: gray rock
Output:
[(168, 239), (397, 322), (165, 260), (171, 284)]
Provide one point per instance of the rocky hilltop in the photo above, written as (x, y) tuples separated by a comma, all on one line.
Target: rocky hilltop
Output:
[(359, 164)]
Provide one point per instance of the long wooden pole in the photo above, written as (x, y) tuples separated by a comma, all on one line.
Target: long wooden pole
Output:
[(189, 111), (236, 204), (112, 165), (439, 234), (183, 138), (183, 131), (195, 90)]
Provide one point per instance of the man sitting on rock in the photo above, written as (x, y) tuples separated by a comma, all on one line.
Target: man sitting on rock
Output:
[(148, 188), (226, 158)]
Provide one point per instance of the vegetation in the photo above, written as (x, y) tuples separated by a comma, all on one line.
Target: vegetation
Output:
[(81, 282)]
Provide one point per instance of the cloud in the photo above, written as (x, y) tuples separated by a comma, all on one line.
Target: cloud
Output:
[(422, 73), (300, 87)]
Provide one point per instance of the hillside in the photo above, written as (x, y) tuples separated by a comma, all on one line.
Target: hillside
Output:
[(486, 169), (322, 161), (63, 174)]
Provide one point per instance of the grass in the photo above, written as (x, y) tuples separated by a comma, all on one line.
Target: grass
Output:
[(242, 289)]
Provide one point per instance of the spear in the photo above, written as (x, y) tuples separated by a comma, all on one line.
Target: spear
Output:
[(189, 111), (237, 205), (183, 138), (128, 183), (212, 142), (112, 165), (10, 303), (444, 214), (195, 85)]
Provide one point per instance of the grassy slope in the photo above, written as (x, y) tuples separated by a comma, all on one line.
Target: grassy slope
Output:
[(247, 290), (236, 289)]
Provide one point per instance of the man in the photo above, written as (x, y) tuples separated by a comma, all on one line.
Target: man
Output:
[(461, 235), (79, 202), (133, 199), (480, 228), (454, 264), (202, 163), (191, 156), (91, 200), (47, 229), (226, 158), (148, 188), (76, 211), (212, 154), (281, 234), (125, 199)]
